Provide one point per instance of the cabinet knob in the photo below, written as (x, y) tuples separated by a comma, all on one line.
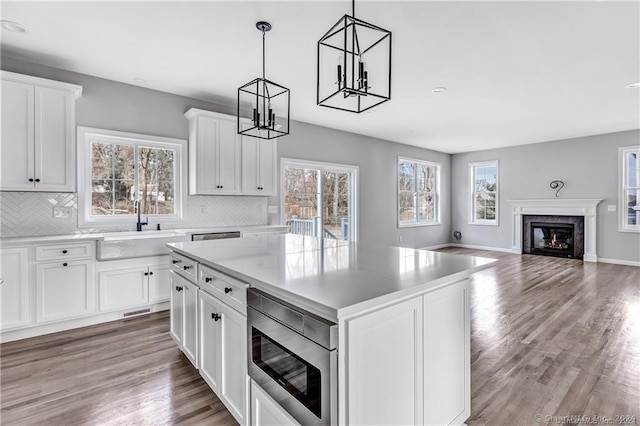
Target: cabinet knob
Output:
[(65, 264), (207, 279), (30, 180), (146, 273), (185, 267), (37, 180), (215, 317), (227, 289), (150, 273), (64, 252), (174, 261), (178, 288)]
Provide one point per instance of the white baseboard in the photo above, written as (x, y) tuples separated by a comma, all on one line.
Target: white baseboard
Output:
[(619, 262), (436, 247), (469, 246)]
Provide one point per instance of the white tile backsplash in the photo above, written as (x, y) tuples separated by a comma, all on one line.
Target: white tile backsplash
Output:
[(25, 214)]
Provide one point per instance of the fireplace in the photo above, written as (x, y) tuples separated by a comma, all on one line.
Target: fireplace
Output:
[(552, 235)]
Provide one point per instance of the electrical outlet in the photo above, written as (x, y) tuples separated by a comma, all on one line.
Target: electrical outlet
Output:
[(400, 238), (611, 207), (272, 209), (62, 212)]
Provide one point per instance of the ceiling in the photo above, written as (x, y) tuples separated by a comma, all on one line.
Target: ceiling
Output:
[(516, 72)]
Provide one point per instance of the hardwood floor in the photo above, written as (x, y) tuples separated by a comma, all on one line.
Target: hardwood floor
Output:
[(550, 337), (554, 337), (124, 372)]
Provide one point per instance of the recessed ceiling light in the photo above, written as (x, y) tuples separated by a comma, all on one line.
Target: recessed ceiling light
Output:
[(632, 86), (13, 26), (139, 80), (439, 90)]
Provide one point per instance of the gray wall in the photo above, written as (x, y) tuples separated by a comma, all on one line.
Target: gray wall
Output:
[(377, 161), (589, 168)]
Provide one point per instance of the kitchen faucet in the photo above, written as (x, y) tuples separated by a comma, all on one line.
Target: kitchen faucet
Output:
[(136, 206)]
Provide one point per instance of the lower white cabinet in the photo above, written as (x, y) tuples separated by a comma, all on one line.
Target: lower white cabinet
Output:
[(133, 286), (184, 316), (223, 353), (64, 289), (266, 412), (15, 291)]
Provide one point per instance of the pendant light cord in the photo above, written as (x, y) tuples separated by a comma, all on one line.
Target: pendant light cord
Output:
[(263, 54), (353, 7)]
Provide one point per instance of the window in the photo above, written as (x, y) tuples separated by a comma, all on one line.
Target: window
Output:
[(629, 199), (319, 199), (484, 193), (118, 170), (418, 192)]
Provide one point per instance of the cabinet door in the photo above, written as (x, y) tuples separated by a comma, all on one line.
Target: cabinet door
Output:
[(123, 288), (267, 166), (159, 284), (203, 155), (228, 157), (14, 288), (176, 310), (54, 140), (210, 340), (190, 322), (250, 176), (384, 358), (234, 362), (64, 290), (447, 359), (17, 147), (265, 411)]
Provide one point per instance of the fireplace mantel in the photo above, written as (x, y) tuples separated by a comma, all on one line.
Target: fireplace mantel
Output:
[(559, 207)]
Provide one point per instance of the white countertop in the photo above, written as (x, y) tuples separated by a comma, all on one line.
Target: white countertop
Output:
[(100, 236), (331, 278)]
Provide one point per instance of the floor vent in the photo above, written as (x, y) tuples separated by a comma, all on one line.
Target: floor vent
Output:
[(135, 313)]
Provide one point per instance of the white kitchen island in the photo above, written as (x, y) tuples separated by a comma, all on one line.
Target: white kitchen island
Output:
[(402, 315)]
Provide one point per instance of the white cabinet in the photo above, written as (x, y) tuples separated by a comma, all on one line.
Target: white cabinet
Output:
[(259, 171), (127, 287), (223, 353), (427, 338), (184, 316), (15, 291), (267, 412), (64, 290), (214, 153), (38, 139)]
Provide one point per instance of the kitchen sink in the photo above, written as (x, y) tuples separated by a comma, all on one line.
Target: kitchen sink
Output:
[(127, 245)]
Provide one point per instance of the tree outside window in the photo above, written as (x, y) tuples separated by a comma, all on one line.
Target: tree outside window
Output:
[(484, 193), (418, 192)]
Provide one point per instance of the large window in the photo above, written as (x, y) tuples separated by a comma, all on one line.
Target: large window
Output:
[(121, 173), (319, 199), (484, 203), (629, 198), (418, 192)]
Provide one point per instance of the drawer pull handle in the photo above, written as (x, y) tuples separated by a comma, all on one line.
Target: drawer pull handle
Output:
[(64, 252), (227, 289), (65, 264), (207, 279), (176, 261), (215, 317), (178, 288), (185, 267)]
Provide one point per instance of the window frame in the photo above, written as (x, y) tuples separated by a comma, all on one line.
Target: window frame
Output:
[(437, 193), (622, 187), (472, 185), (86, 135), (331, 167)]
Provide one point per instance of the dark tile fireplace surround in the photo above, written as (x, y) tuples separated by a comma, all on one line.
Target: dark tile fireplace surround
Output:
[(551, 235)]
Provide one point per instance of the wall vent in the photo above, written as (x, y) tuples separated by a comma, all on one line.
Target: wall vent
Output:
[(135, 313)]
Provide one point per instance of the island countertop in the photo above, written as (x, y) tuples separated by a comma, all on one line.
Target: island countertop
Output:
[(331, 278)]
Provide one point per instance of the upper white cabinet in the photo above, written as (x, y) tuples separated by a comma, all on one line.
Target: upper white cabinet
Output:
[(38, 134), (214, 153), (259, 166)]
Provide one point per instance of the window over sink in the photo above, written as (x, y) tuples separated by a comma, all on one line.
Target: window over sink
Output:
[(116, 169)]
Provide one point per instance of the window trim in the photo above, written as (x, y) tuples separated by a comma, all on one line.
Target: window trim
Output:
[(84, 136), (471, 199), (438, 196), (622, 174), (323, 165)]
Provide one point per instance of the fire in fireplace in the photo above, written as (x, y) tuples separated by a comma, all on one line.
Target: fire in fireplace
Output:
[(555, 239)]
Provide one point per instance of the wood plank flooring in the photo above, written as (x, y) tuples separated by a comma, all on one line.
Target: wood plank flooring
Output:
[(550, 337)]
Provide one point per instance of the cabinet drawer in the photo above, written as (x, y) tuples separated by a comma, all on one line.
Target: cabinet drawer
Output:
[(228, 289), (65, 251), (184, 266)]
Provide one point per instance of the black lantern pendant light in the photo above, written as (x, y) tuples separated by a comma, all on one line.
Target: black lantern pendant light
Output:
[(354, 65), (268, 103)]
